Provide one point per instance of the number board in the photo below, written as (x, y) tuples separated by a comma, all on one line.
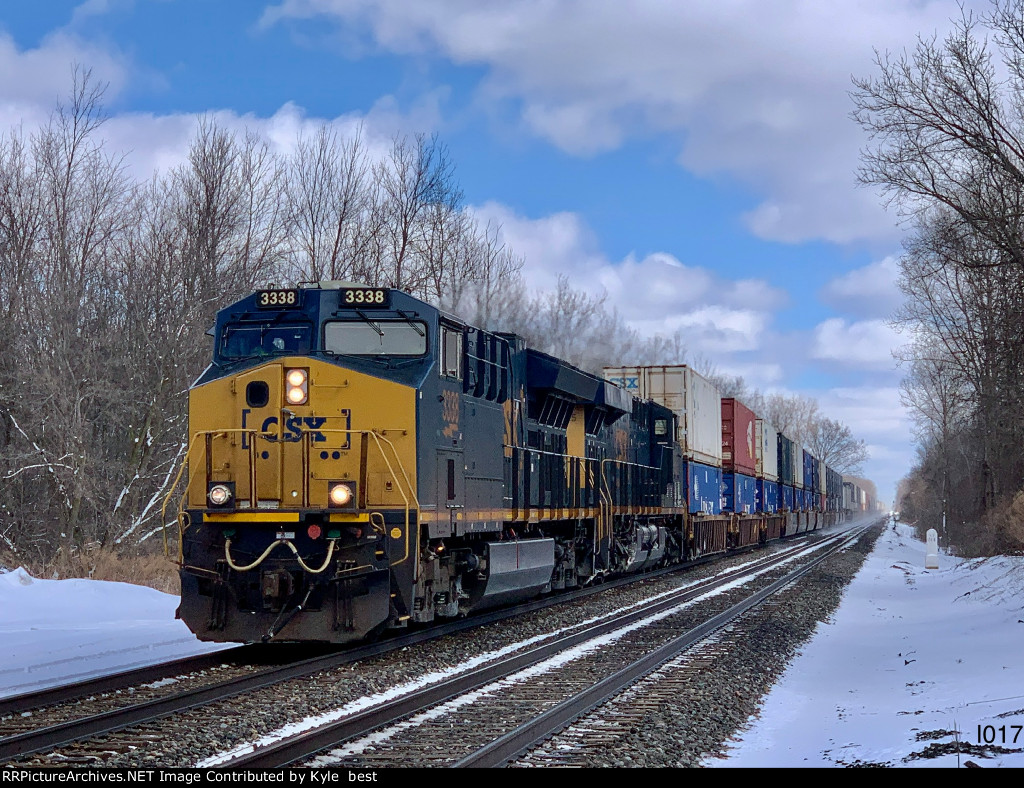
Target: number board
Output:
[(276, 299), (373, 297)]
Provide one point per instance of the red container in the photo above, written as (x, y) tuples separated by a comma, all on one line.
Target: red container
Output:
[(738, 436)]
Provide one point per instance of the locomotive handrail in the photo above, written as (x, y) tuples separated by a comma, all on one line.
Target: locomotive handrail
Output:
[(170, 493), (625, 463), (378, 438), (207, 435), (603, 519)]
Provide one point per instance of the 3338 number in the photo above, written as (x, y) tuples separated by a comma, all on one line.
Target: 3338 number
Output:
[(376, 296), (271, 298)]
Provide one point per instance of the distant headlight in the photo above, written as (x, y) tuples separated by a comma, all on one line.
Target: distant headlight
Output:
[(219, 494)]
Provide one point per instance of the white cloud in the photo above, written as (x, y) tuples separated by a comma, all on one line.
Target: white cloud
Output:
[(756, 90), (876, 415), (871, 291), (42, 76), (867, 343), (655, 294)]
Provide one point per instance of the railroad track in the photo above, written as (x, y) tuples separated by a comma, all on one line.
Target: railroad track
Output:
[(177, 669), (71, 733), (412, 729)]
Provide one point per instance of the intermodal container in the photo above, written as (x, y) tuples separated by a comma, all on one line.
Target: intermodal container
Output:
[(693, 399), (822, 477), (810, 465), (767, 496), (739, 452), (739, 493), (850, 496), (787, 497), (704, 488), (766, 447), (798, 466), (785, 460)]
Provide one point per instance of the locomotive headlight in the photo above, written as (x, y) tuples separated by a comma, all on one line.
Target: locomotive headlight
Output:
[(297, 381), (341, 495), (220, 494)]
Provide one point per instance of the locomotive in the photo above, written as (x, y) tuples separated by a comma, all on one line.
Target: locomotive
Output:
[(360, 460)]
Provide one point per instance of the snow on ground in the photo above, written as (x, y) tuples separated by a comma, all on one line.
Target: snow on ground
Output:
[(59, 631), (909, 652)]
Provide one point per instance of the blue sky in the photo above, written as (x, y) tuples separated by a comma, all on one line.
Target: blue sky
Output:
[(695, 160)]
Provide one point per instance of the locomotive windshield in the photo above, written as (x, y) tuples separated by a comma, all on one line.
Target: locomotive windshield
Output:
[(252, 340), (374, 338)]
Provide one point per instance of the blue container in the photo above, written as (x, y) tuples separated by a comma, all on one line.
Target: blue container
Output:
[(767, 497), (787, 496), (810, 471), (704, 488), (739, 493)]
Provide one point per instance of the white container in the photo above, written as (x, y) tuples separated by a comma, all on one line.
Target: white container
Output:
[(767, 448), (822, 474), (851, 498), (694, 400), (798, 465)]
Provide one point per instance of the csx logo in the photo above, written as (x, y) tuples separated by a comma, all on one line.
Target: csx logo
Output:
[(630, 384), (292, 429)]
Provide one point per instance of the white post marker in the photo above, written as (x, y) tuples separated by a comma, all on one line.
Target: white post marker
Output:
[(931, 559)]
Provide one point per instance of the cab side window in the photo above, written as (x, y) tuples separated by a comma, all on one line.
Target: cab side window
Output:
[(451, 352)]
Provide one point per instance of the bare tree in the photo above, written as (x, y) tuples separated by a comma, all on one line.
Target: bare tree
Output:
[(948, 150), (493, 291), (416, 180), (793, 415), (947, 129), (833, 443), (328, 200), (63, 213)]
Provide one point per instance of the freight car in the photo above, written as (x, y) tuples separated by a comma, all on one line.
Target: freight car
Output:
[(359, 460)]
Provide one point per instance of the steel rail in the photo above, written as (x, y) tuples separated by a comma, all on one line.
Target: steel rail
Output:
[(523, 738), (68, 732), (290, 750), (111, 682)]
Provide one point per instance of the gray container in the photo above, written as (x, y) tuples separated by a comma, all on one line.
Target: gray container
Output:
[(767, 448), (694, 400)]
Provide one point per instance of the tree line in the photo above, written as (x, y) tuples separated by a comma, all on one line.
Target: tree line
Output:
[(946, 120), (109, 283)]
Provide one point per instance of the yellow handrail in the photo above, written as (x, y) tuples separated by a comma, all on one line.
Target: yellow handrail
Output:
[(377, 437), (406, 490)]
